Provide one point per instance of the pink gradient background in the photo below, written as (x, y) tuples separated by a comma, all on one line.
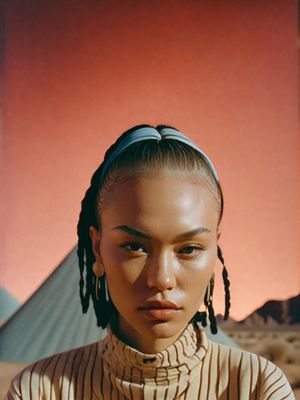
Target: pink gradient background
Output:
[(77, 74)]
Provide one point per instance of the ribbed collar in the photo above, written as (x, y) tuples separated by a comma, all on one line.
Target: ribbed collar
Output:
[(188, 349)]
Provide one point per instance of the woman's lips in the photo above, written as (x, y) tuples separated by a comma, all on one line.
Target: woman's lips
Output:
[(163, 310), (160, 314)]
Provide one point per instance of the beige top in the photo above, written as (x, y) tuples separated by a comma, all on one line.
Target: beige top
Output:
[(191, 368)]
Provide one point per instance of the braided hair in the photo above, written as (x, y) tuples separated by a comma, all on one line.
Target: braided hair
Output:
[(139, 157)]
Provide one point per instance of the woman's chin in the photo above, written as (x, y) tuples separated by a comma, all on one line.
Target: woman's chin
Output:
[(150, 335), (161, 329)]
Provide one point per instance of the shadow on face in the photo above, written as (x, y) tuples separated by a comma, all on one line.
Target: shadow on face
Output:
[(158, 242)]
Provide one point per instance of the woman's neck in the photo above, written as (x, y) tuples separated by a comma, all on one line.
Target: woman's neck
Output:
[(144, 344)]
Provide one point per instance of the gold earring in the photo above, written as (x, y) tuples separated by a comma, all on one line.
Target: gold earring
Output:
[(98, 271), (209, 291), (97, 282), (98, 268), (97, 287), (106, 289)]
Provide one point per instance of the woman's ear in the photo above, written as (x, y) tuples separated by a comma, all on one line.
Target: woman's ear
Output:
[(96, 239)]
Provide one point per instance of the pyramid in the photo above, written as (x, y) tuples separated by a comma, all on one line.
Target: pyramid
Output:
[(51, 321), (8, 304)]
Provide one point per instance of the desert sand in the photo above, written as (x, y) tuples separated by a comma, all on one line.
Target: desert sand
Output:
[(279, 344)]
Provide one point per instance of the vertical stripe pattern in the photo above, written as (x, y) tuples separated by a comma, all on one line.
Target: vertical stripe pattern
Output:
[(191, 368)]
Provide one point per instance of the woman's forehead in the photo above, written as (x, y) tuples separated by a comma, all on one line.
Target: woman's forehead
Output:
[(164, 199)]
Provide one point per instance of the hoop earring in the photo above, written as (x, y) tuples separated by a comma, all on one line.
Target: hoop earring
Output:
[(104, 307), (98, 271)]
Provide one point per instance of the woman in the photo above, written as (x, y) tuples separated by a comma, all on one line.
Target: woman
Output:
[(148, 244)]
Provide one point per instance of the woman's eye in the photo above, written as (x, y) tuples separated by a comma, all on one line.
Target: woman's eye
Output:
[(191, 249), (133, 247)]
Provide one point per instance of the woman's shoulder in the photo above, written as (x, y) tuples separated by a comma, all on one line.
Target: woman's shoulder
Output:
[(55, 372), (251, 372)]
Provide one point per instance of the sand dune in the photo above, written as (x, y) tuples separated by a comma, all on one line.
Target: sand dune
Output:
[(280, 345)]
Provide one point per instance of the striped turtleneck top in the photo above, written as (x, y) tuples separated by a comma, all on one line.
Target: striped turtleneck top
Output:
[(191, 368)]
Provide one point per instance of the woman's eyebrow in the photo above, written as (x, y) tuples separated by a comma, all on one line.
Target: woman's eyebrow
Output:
[(132, 231), (181, 236), (193, 232)]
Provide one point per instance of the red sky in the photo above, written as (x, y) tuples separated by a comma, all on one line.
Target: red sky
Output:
[(77, 74)]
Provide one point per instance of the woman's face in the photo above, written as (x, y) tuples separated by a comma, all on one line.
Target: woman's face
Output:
[(158, 246)]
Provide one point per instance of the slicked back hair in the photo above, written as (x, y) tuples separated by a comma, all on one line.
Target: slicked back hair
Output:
[(139, 158)]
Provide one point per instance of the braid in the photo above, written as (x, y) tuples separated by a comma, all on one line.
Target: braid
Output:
[(212, 319), (104, 310), (84, 250), (209, 304), (86, 258), (203, 318), (226, 285)]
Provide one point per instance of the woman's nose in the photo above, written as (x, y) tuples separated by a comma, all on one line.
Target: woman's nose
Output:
[(161, 273)]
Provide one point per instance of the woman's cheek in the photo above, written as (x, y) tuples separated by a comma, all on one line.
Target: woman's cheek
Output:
[(203, 263), (128, 271)]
